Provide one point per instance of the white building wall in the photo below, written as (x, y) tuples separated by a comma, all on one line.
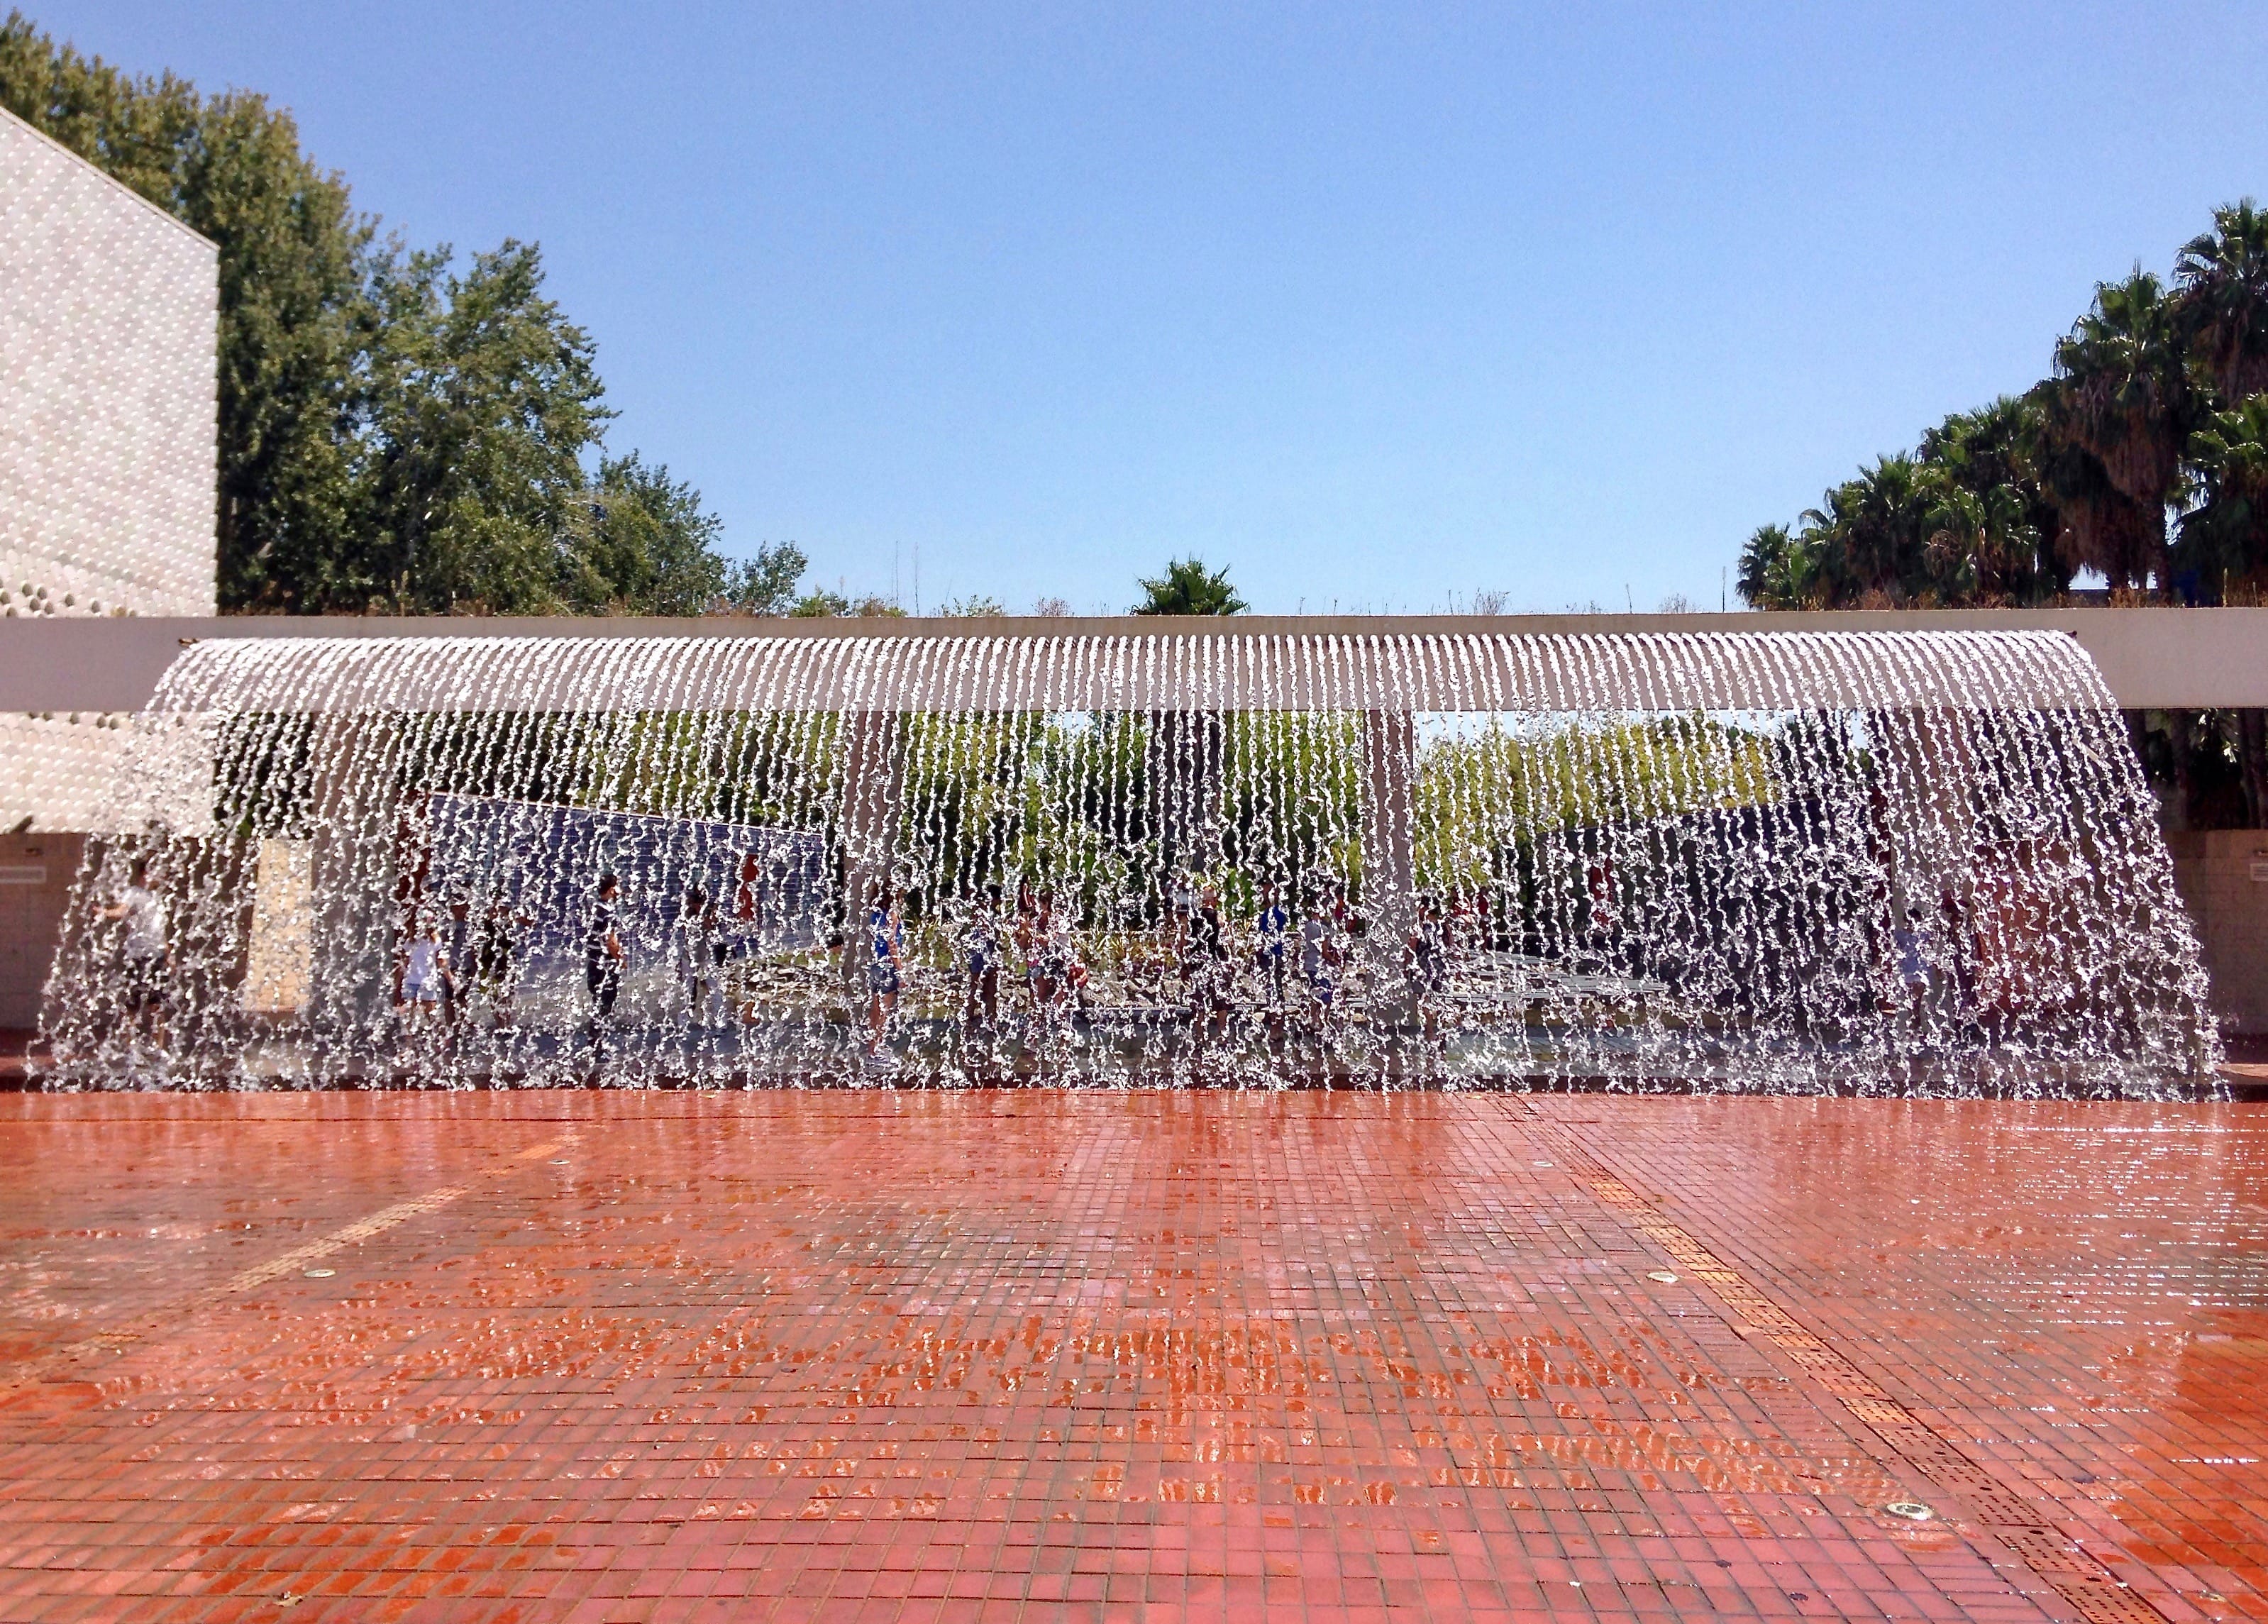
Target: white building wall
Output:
[(108, 313)]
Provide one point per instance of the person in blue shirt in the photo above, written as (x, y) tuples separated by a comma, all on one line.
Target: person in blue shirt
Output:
[(984, 949), (1274, 926), (603, 957)]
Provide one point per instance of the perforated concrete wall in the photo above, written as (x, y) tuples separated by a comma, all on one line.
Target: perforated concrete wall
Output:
[(108, 314)]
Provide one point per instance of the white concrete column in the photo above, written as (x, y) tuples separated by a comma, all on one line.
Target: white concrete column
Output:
[(1389, 865), (873, 775)]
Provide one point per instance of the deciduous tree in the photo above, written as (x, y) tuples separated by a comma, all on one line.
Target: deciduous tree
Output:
[(394, 431)]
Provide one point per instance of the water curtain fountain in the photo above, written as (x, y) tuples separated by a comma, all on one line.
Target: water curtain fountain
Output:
[(1870, 861)]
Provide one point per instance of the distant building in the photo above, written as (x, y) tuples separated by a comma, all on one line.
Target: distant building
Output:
[(108, 314)]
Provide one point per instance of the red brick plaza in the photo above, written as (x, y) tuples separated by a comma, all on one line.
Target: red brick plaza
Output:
[(875, 1355)]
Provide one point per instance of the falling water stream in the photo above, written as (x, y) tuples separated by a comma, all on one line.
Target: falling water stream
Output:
[(1872, 862)]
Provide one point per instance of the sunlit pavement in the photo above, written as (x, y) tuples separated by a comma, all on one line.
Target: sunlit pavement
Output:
[(872, 1356)]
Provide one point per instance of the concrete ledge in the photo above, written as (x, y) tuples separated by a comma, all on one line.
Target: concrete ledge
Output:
[(2152, 658)]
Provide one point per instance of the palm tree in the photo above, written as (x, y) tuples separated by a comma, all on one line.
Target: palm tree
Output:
[(1780, 572), (2120, 399), (1188, 587), (2224, 544), (1760, 562), (2224, 535), (2147, 411), (1866, 537), (2221, 289), (1989, 517)]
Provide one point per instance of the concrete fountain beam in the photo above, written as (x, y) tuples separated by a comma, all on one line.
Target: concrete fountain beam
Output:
[(2150, 657)]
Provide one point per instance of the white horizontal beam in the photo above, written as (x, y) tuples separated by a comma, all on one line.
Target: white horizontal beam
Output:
[(2150, 658)]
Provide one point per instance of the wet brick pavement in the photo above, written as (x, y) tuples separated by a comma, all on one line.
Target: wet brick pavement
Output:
[(872, 1356)]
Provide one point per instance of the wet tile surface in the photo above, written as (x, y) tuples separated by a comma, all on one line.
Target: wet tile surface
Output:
[(616, 1356)]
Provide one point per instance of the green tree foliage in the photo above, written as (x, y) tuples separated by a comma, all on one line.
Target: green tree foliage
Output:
[(1777, 569), (822, 602), (1188, 587), (2224, 534), (2143, 457), (2222, 275), (766, 583), (643, 530), (2129, 459), (394, 433), (1990, 514), (2117, 412), (2222, 283), (1481, 794), (1960, 521), (481, 403)]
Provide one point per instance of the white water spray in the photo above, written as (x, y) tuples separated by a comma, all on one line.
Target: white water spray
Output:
[(1796, 862)]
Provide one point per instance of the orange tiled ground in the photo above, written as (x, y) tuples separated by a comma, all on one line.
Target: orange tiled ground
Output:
[(928, 1356)]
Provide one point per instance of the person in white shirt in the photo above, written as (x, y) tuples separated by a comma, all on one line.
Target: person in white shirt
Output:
[(1426, 963), (142, 956), (701, 958), (424, 974)]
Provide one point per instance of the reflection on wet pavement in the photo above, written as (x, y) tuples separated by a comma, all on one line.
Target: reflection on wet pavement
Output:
[(626, 1356)]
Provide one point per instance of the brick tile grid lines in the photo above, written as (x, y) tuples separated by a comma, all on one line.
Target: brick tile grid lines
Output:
[(2164, 1293), (621, 1357)]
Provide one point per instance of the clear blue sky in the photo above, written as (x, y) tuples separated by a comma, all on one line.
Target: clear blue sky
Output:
[(1375, 304)]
